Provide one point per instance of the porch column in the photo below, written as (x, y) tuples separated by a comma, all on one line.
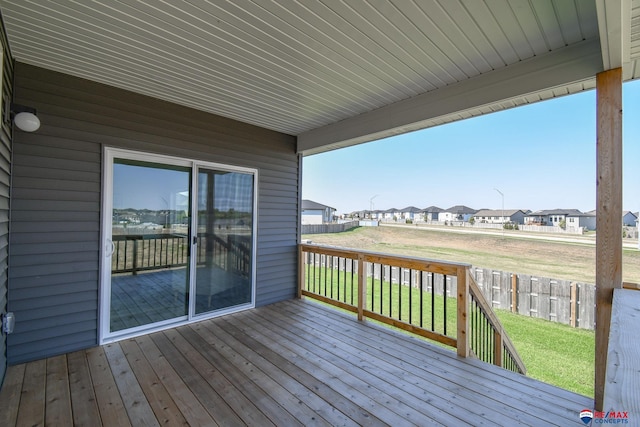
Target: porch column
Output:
[(609, 214)]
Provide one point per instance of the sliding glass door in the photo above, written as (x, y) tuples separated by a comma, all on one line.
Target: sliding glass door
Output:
[(225, 239), (179, 241)]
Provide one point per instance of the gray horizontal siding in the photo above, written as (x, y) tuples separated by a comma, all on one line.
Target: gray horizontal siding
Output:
[(54, 277), (6, 91)]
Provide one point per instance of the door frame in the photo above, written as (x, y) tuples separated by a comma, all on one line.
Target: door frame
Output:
[(104, 300)]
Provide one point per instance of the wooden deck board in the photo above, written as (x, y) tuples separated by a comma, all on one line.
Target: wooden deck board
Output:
[(58, 404), (10, 395), (442, 369), (138, 408), (108, 398), (161, 402), (32, 402), (82, 390), (291, 363)]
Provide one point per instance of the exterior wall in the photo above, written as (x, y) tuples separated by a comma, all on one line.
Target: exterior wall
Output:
[(517, 217), (629, 220), (312, 216), (55, 237), (6, 87), (588, 222)]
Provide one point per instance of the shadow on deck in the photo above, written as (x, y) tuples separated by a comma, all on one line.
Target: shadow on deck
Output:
[(290, 363)]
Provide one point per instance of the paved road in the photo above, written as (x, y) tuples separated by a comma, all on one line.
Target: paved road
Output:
[(586, 240)]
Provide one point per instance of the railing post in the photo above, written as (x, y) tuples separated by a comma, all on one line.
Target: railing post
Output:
[(362, 287), (497, 347), (463, 307), (301, 271)]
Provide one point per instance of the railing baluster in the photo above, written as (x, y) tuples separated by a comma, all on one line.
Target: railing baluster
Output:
[(410, 296), (400, 293), (420, 276), (324, 264), (351, 281), (444, 295), (433, 301), (331, 267), (338, 276)]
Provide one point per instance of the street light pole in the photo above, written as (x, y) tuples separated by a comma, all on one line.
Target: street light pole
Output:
[(502, 195), (371, 205)]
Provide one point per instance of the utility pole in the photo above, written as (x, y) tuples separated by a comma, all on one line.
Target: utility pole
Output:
[(502, 195), (371, 205)]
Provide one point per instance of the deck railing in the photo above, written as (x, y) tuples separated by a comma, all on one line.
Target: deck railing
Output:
[(437, 300), (146, 252), (142, 252)]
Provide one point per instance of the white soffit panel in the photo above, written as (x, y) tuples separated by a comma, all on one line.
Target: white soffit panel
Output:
[(296, 66), (635, 30)]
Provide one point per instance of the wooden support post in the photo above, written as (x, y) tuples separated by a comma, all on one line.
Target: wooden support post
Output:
[(462, 308), (497, 347), (608, 214), (301, 271), (514, 293), (362, 287)]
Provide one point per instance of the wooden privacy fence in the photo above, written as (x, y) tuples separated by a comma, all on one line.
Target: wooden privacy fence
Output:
[(562, 301), (435, 299), (328, 228)]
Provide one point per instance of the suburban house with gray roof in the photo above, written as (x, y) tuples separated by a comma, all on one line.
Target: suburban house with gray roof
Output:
[(498, 216), (316, 213), (457, 213), (550, 217), (431, 213)]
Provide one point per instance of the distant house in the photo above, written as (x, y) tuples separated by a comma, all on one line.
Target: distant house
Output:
[(498, 216), (584, 220), (431, 213), (457, 213), (316, 213), (629, 219), (553, 217), (410, 212), (377, 214), (389, 214)]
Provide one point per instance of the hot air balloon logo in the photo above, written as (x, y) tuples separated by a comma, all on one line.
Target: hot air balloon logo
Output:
[(586, 415)]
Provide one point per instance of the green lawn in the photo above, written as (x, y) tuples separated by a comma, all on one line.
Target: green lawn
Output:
[(552, 352)]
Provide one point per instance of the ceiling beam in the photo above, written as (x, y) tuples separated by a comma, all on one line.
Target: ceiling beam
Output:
[(571, 64), (614, 24)]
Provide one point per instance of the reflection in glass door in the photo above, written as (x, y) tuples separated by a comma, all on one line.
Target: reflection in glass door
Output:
[(150, 247), (225, 239), (179, 242)]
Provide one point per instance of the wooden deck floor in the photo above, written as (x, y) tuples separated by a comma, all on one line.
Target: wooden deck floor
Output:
[(291, 363)]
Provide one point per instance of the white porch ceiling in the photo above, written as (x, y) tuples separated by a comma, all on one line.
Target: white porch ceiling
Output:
[(332, 72)]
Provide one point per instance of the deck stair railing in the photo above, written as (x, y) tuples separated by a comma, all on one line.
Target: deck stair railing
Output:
[(437, 300)]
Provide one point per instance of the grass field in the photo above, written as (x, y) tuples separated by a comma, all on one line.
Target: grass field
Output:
[(558, 260), (552, 352)]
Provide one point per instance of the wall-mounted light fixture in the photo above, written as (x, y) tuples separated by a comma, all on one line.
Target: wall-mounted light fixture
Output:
[(24, 117)]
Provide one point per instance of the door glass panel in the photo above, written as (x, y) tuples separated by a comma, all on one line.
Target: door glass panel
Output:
[(225, 240), (150, 235)]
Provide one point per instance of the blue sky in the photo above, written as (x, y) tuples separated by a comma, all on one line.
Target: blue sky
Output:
[(541, 156)]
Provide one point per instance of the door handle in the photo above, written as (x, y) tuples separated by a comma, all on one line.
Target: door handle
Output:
[(110, 247)]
